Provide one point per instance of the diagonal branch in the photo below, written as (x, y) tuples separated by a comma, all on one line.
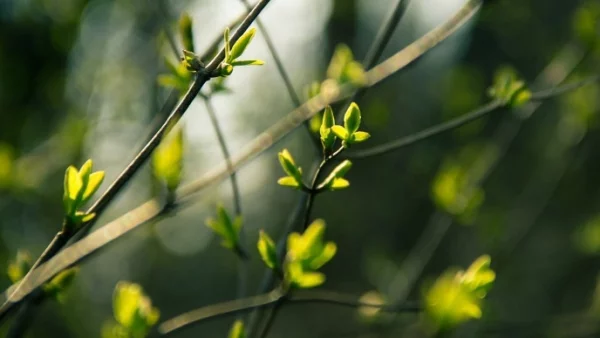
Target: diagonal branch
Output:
[(476, 114), (215, 311)]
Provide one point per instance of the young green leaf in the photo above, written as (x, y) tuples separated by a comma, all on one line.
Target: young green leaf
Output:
[(237, 330), (360, 136), (288, 181), (340, 132), (241, 44), (327, 136), (352, 118), (247, 63), (335, 180), (167, 160), (228, 230), (267, 250), (287, 163), (306, 253), (133, 309), (456, 296), (186, 32), (79, 186), (228, 57)]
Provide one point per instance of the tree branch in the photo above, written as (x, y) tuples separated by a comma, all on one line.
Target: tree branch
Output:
[(271, 298)]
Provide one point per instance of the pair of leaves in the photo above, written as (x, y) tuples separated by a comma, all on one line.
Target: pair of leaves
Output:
[(509, 88), (232, 53), (133, 310), (55, 288), (227, 229), (349, 133), (306, 253), (167, 159), (79, 186), (456, 297), (335, 180), (294, 178)]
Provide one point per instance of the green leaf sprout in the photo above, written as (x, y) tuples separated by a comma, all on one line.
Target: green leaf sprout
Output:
[(294, 178), (227, 229), (79, 186), (232, 53), (133, 310), (456, 297), (349, 133)]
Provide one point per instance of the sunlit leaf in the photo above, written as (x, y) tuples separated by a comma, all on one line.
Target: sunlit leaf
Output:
[(133, 309), (288, 165), (360, 136), (340, 132), (167, 159), (352, 118), (186, 32), (267, 250), (339, 183), (237, 330), (288, 181), (247, 63), (94, 181), (328, 121), (228, 230), (242, 43)]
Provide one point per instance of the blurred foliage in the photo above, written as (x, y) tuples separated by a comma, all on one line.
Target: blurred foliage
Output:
[(133, 312)]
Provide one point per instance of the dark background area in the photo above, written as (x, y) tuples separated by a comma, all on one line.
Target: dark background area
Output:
[(78, 81)]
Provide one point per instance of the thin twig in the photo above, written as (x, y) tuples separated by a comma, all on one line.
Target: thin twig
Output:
[(476, 114), (148, 211), (312, 194), (235, 188), (274, 297)]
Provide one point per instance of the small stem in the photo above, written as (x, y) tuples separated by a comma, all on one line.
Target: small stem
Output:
[(235, 188), (218, 310), (277, 297), (270, 318), (312, 194)]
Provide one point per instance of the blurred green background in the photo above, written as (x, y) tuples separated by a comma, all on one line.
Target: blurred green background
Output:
[(78, 81)]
